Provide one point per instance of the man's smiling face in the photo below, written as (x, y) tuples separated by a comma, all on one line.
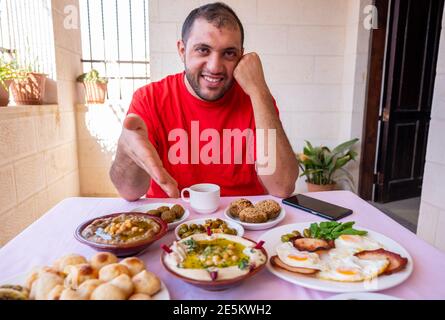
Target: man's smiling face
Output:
[(210, 55)]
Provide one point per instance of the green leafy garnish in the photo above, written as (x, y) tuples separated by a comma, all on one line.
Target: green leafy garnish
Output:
[(332, 230), (191, 244), (243, 264)]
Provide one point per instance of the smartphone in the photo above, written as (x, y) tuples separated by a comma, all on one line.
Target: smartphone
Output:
[(320, 208)]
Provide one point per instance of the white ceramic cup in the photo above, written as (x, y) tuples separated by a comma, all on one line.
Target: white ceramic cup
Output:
[(204, 197)]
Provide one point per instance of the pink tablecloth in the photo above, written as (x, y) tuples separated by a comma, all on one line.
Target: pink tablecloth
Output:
[(52, 236)]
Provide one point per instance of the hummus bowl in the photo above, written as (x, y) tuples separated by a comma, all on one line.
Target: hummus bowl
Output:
[(214, 262), (124, 234)]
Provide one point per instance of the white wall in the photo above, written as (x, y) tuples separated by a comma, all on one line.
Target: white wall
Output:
[(38, 147), (314, 54), (432, 209)]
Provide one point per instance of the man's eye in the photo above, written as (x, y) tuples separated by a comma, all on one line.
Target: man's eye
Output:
[(230, 54), (203, 50)]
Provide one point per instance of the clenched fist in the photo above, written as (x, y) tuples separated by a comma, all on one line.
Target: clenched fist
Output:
[(250, 76)]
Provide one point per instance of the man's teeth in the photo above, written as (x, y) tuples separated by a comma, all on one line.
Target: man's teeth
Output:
[(214, 80)]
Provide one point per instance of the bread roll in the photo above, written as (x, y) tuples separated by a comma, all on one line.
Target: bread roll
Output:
[(77, 274), (140, 296), (111, 271), (69, 260), (102, 259), (45, 282), (71, 294), (87, 287), (30, 279), (55, 293), (124, 283), (135, 265), (146, 282), (107, 291)]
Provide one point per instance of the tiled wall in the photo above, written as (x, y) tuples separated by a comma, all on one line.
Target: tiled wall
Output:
[(98, 130), (38, 149), (432, 208), (314, 53)]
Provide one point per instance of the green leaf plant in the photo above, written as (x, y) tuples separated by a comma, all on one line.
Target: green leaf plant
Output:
[(91, 76), (323, 166)]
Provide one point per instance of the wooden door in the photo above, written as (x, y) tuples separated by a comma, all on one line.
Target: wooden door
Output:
[(410, 65)]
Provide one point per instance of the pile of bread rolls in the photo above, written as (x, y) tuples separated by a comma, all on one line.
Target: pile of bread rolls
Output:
[(72, 277)]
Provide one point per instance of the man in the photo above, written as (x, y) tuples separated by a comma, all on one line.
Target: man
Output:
[(220, 89)]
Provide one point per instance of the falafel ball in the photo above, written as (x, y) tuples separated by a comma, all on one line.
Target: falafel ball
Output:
[(239, 205), (270, 207), (163, 208), (155, 212), (178, 210), (168, 216), (253, 215)]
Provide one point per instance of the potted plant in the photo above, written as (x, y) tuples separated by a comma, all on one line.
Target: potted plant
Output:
[(8, 70), (28, 85), (95, 86), (321, 166)]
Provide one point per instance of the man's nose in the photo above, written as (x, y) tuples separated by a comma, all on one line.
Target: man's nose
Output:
[(214, 64)]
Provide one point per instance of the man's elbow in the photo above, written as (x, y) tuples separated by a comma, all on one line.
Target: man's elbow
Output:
[(129, 197), (124, 191), (283, 191)]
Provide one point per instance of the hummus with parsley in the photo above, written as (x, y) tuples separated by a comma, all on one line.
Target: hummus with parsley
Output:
[(215, 257)]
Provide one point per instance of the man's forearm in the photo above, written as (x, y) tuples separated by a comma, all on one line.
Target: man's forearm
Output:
[(130, 180), (282, 182)]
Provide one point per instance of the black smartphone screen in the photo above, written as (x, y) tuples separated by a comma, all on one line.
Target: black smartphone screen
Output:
[(317, 207)]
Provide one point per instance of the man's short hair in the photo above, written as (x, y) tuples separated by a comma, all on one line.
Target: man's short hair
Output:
[(218, 13)]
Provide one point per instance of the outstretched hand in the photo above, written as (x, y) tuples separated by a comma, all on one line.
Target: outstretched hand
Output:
[(137, 147)]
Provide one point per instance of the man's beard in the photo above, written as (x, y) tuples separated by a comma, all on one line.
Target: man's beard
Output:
[(193, 80)]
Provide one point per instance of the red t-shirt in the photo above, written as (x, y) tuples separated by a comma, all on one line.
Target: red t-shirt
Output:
[(168, 105)]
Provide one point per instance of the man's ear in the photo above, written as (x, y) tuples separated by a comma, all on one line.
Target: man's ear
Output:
[(181, 50)]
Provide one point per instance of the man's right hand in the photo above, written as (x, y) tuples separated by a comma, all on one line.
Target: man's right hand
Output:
[(135, 145)]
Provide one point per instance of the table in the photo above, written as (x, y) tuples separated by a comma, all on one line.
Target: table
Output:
[(52, 236)]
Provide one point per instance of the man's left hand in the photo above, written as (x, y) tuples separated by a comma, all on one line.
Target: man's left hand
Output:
[(250, 76)]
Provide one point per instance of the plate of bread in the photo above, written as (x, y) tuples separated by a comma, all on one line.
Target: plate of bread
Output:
[(73, 277)]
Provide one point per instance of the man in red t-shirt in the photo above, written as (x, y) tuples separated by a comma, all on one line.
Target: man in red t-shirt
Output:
[(209, 124)]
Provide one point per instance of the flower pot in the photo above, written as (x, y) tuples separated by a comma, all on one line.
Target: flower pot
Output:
[(320, 187), (4, 94), (95, 92), (29, 90)]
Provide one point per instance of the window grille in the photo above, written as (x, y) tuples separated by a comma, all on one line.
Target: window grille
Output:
[(115, 42)]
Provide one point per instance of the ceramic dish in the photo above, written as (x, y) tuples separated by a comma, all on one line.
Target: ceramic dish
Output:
[(233, 225), (153, 206), (272, 239), (217, 285), (122, 250), (257, 226), (20, 279)]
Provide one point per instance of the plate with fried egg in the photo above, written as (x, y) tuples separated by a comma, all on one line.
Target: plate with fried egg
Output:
[(364, 261)]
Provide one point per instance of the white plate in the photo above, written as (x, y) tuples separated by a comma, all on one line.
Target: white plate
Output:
[(20, 280), (239, 229), (153, 206), (362, 296), (273, 239), (257, 226)]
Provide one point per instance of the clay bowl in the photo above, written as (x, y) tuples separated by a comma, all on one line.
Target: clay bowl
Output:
[(122, 250), (217, 285)]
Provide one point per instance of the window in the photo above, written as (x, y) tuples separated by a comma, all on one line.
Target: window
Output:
[(26, 30), (115, 42)]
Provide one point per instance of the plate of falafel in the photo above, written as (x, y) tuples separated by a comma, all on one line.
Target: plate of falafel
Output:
[(262, 215), (173, 214)]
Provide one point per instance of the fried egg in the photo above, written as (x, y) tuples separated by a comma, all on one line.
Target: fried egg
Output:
[(354, 243), (344, 268), (295, 258)]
